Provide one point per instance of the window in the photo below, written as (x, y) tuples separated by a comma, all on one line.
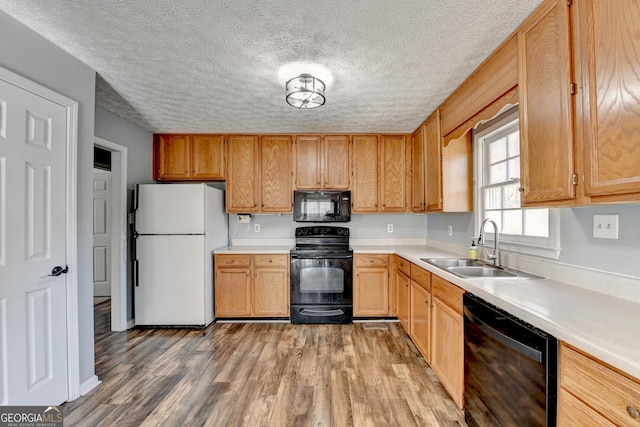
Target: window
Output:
[(497, 183)]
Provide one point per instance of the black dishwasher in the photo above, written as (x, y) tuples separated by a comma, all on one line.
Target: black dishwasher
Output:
[(510, 369)]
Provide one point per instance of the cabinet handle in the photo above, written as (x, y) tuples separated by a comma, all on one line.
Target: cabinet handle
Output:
[(633, 412)]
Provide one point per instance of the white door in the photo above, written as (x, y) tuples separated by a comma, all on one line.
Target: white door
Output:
[(101, 233), (33, 341)]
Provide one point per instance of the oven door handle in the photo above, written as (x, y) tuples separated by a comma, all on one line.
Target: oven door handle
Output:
[(321, 313), (515, 345), (346, 256)]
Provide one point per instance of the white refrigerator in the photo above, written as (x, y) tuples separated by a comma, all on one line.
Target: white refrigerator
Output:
[(177, 227)]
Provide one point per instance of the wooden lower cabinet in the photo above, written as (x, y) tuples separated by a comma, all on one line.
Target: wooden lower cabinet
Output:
[(371, 285), (447, 338), (420, 310), (402, 274), (593, 393), (252, 285)]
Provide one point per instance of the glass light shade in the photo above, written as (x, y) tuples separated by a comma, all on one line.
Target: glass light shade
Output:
[(305, 91)]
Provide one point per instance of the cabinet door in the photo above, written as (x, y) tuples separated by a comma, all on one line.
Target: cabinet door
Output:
[(608, 65), (447, 348), (271, 292), (275, 174), (402, 309), (393, 173), (242, 174), (418, 191), (420, 321), (336, 161), (233, 292), (307, 162), (371, 291), (365, 174), (433, 165), (546, 131), (173, 157), (208, 156)]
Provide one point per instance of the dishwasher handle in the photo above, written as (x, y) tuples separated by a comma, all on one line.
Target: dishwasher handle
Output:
[(513, 344)]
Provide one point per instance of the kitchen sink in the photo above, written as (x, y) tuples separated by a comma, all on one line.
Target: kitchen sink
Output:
[(453, 262), (469, 268)]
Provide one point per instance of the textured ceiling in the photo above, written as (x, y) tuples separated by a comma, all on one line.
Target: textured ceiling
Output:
[(213, 66)]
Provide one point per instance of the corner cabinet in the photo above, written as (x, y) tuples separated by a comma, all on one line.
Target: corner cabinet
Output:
[(403, 283), (371, 285), (321, 162), (188, 157), (252, 285)]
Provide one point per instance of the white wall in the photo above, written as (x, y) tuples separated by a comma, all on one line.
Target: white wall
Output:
[(139, 143), (576, 237), (24, 52), (370, 226)]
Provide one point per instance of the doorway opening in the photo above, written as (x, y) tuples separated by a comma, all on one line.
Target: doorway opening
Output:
[(110, 228)]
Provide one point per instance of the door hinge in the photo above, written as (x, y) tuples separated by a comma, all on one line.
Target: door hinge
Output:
[(574, 179), (573, 89)]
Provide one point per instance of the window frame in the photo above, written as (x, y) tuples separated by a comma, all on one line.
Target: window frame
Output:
[(547, 247)]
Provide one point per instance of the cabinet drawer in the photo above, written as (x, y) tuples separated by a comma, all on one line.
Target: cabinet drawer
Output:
[(233, 261), (447, 292), (403, 265), (272, 260), (371, 260), (421, 277), (606, 390)]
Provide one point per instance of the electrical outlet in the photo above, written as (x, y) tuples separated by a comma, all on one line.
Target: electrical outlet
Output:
[(389, 228), (450, 230), (256, 228), (605, 226)]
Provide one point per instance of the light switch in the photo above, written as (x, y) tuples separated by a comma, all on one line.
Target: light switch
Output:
[(605, 226)]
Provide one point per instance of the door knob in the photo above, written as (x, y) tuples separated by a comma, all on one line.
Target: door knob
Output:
[(57, 270)]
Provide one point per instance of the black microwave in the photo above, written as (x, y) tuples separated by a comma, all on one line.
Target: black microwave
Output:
[(321, 206)]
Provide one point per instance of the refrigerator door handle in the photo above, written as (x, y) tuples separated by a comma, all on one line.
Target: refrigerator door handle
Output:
[(136, 276)]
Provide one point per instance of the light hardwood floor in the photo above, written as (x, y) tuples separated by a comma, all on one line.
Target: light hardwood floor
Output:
[(261, 374)]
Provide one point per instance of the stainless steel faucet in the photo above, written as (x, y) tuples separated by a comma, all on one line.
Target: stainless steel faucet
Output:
[(496, 242)]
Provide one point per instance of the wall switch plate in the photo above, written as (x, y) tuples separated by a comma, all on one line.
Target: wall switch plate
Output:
[(605, 226), (244, 219), (389, 228), (450, 230), (256, 228)]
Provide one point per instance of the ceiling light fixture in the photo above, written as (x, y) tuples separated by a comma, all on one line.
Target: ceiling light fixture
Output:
[(305, 91)]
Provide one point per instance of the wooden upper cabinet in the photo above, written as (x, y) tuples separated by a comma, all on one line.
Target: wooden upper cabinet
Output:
[(172, 157), (546, 125), (365, 174), (321, 162), (308, 162), (275, 174), (393, 173), (608, 103), (418, 177), (208, 156), (193, 157), (242, 174), (433, 162), (335, 162)]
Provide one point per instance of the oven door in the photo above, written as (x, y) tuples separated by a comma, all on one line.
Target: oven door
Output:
[(321, 279)]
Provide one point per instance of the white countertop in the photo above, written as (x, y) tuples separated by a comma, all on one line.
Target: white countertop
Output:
[(605, 326)]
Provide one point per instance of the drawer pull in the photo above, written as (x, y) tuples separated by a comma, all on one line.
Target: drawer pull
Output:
[(633, 411)]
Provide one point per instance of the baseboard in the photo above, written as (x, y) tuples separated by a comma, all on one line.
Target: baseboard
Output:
[(89, 385)]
